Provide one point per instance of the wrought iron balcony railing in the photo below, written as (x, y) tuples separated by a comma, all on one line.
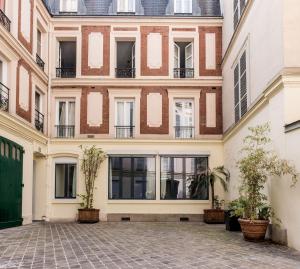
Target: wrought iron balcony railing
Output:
[(66, 72), (65, 131), (125, 72), (4, 20), (4, 97), (183, 72), (40, 62), (123, 132), (184, 132), (39, 121)]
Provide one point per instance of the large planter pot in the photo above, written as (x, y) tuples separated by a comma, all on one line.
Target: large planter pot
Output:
[(254, 230), (232, 222), (88, 215), (214, 216)]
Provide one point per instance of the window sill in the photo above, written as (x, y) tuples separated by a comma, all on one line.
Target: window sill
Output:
[(65, 201), (160, 202)]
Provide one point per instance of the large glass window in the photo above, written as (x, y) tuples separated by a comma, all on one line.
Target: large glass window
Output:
[(132, 178), (184, 118), (184, 178), (65, 180)]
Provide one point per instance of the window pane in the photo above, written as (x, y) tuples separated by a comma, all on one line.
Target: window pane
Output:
[(60, 180), (65, 181), (132, 178)]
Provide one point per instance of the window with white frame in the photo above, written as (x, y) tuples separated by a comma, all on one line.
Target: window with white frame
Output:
[(39, 43), (183, 6), (65, 180), (184, 118), (65, 118), (240, 87), (238, 9), (68, 5), (183, 60), (127, 6), (124, 118)]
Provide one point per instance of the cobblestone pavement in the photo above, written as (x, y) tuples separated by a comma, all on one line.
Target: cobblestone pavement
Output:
[(137, 245)]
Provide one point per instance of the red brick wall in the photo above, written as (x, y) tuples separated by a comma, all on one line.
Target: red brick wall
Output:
[(219, 126), (85, 69), (21, 112), (164, 128), (202, 56), (164, 70), (26, 44), (84, 127)]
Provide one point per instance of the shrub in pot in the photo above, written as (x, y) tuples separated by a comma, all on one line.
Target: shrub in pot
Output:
[(232, 214), (91, 161), (256, 166), (216, 213)]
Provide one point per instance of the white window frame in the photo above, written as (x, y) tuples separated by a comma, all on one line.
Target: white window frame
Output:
[(125, 132), (192, 124), (238, 84), (179, 6), (67, 101), (39, 92), (126, 4), (68, 5), (239, 10), (124, 100)]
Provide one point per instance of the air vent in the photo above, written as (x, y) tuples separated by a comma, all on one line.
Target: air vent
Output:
[(125, 219), (91, 136), (184, 219)]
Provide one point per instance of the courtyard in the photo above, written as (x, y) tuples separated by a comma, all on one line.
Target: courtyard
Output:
[(137, 245)]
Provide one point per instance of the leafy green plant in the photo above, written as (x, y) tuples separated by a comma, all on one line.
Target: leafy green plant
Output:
[(200, 182), (218, 203), (91, 161), (255, 168)]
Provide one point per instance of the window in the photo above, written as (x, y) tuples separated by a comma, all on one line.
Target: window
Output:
[(238, 9), (66, 66), (65, 118), (39, 43), (68, 5), (132, 178), (127, 6), (183, 60), (240, 87), (184, 178), (184, 118), (39, 117), (183, 6), (125, 59), (65, 180), (124, 119)]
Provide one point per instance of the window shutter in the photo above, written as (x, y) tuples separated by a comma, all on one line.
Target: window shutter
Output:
[(243, 84), (176, 56), (236, 93), (189, 56)]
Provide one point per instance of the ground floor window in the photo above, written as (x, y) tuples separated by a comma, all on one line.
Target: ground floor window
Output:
[(65, 180), (184, 178), (132, 178)]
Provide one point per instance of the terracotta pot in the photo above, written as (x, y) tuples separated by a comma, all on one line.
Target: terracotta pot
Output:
[(254, 230), (88, 215), (214, 216)]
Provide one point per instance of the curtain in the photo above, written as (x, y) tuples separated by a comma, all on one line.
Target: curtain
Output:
[(73, 179), (150, 186), (71, 113), (62, 113)]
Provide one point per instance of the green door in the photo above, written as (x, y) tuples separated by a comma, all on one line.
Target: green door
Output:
[(11, 168)]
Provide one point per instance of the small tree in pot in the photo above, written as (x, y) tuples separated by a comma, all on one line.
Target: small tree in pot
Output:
[(216, 213), (255, 167), (91, 161)]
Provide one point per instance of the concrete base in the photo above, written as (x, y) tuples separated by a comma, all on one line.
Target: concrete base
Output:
[(156, 217)]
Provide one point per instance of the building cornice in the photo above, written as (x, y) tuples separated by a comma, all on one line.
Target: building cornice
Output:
[(237, 30)]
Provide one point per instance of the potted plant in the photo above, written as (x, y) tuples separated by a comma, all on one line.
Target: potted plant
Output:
[(216, 213), (91, 161), (233, 213), (255, 168)]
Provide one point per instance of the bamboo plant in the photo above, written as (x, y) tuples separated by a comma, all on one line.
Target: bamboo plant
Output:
[(91, 161)]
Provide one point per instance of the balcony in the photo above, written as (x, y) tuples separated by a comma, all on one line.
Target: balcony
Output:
[(39, 121), (183, 72), (184, 132), (63, 72), (65, 131), (4, 97), (124, 132), (125, 72), (40, 62), (4, 21)]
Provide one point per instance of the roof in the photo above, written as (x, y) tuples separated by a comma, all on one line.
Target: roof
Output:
[(201, 8)]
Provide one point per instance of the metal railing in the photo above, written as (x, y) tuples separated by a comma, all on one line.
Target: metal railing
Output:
[(4, 97), (39, 121), (183, 72), (184, 132), (65, 131), (124, 132), (4, 20), (40, 62), (125, 72), (65, 72)]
